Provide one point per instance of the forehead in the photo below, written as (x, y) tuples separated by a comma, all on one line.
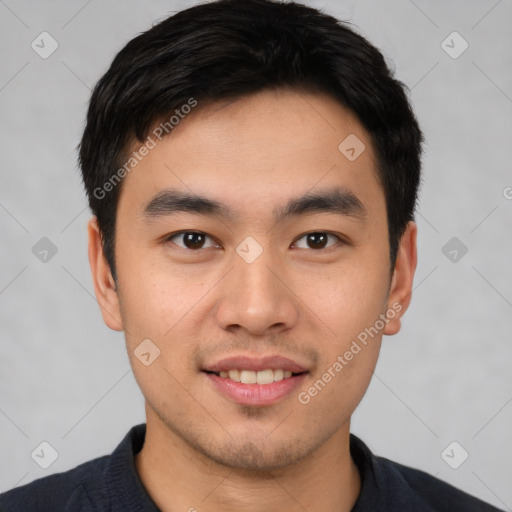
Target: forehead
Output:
[(257, 152)]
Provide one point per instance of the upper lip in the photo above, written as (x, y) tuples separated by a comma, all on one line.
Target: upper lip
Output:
[(255, 364)]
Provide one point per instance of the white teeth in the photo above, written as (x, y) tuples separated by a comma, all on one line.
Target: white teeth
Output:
[(261, 377), (234, 375), (265, 377), (248, 377), (278, 375)]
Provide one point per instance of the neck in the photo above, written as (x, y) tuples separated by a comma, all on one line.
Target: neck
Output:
[(178, 477)]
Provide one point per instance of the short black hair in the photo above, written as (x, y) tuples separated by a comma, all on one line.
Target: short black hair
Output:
[(227, 49)]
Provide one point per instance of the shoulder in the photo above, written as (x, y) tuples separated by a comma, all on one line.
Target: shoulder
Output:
[(434, 494), (393, 487), (100, 484), (64, 491)]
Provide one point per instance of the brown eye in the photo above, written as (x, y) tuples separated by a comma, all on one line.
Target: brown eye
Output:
[(317, 240), (192, 240)]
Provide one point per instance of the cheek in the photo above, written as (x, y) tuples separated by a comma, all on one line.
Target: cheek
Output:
[(354, 378), (350, 306), (348, 300), (153, 295), (167, 308), (155, 307)]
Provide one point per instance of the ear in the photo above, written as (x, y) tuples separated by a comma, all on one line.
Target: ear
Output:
[(104, 284), (403, 275)]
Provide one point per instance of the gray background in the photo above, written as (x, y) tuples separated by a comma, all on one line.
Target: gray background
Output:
[(65, 378)]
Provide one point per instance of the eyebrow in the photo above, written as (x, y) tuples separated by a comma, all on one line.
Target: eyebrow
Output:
[(339, 200)]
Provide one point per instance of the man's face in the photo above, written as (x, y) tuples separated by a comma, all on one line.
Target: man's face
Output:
[(254, 285)]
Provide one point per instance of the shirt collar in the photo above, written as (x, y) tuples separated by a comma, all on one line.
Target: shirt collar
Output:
[(123, 481)]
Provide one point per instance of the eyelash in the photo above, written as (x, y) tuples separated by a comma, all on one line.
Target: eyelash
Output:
[(328, 233)]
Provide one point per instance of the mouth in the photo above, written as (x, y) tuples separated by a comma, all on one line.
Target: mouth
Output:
[(255, 381)]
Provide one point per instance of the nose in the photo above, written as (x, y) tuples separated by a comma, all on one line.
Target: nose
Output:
[(257, 297)]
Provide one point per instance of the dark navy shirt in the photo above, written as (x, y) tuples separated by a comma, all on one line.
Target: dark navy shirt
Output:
[(111, 484)]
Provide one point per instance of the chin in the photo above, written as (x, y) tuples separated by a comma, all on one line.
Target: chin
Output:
[(252, 457)]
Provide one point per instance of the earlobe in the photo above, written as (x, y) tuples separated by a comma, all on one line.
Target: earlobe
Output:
[(104, 284), (403, 275)]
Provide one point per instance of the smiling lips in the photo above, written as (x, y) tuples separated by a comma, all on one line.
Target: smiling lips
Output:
[(255, 381)]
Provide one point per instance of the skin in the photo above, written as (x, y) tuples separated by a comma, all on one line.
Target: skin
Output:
[(202, 450)]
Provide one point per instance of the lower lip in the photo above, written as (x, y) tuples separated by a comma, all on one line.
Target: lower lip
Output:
[(255, 394)]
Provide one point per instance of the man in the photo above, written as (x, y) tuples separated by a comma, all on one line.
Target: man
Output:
[(253, 169)]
